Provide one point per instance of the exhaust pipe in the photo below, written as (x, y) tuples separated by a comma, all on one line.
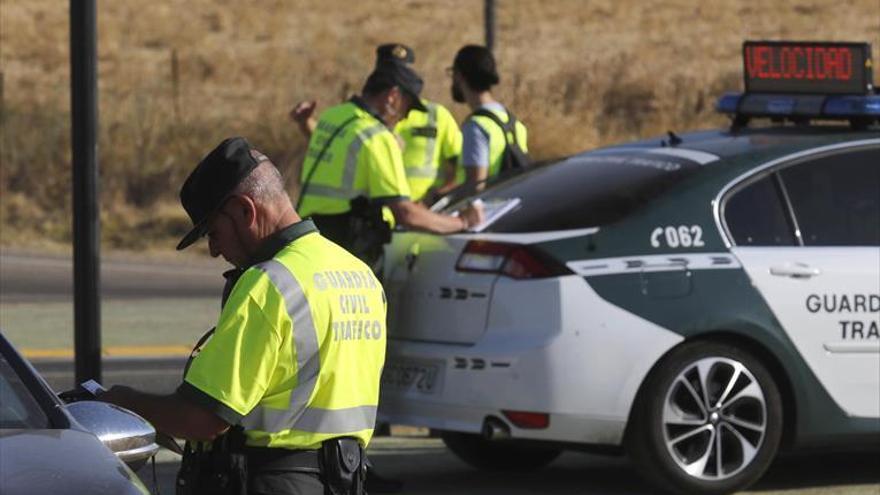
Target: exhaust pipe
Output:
[(495, 429)]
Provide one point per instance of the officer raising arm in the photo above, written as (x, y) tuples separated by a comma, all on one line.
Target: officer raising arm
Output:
[(287, 385), (353, 167), (430, 139)]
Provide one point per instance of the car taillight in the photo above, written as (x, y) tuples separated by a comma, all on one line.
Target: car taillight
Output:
[(513, 260), (528, 420)]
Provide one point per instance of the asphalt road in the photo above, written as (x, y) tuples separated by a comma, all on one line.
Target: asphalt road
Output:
[(428, 468), (28, 277)]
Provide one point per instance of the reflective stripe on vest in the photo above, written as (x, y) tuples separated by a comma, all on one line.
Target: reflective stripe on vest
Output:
[(428, 168), (298, 415), (346, 190)]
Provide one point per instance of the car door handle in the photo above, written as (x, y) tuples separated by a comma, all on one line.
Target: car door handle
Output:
[(794, 270)]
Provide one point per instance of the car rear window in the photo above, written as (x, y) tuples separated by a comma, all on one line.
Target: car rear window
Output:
[(589, 190)]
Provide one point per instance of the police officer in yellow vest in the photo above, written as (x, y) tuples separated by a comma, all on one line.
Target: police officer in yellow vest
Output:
[(354, 166), (282, 397), (431, 138), (473, 75)]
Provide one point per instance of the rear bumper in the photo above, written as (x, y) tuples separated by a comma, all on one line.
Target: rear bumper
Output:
[(583, 370), (518, 380)]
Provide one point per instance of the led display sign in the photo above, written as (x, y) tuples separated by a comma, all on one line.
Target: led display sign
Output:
[(807, 67)]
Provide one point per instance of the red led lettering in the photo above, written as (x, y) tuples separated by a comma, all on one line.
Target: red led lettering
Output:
[(802, 67), (775, 64), (809, 64), (820, 61), (751, 63), (763, 58), (785, 62), (797, 57), (832, 63)]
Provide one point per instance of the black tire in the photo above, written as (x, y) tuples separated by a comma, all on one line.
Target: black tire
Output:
[(665, 441), (502, 455)]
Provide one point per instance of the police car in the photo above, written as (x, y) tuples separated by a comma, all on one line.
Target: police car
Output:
[(699, 301)]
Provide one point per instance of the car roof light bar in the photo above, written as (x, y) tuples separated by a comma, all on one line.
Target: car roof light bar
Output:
[(799, 108)]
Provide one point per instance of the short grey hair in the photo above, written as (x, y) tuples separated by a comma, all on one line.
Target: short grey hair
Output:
[(264, 184)]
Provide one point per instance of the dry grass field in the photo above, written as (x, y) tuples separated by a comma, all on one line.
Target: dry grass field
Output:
[(177, 76)]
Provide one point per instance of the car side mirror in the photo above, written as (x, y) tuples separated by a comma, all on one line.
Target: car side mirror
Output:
[(126, 434)]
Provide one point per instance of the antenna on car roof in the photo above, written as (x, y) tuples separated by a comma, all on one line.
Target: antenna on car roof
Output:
[(674, 140)]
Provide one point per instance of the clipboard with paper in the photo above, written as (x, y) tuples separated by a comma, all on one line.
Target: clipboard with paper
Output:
[(493, 210)]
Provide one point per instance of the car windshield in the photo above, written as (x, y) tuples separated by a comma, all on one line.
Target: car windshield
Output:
[(589, 190), (18, 408)]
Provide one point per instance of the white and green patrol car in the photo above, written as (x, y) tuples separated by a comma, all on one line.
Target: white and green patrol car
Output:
[(700, 301)]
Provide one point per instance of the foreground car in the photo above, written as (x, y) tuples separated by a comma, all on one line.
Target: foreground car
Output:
[(698, 301), (47, 446)]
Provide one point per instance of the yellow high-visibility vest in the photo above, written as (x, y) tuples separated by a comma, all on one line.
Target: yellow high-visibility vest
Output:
[(363, 158), (298, 350), (430, 139)]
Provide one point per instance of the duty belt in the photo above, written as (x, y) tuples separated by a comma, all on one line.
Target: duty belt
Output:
[(279, 459)]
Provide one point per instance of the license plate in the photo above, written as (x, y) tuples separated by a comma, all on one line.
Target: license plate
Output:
[(410, 375)]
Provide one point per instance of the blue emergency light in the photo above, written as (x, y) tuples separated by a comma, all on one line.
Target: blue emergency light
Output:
[(799, 81), (806, 106)]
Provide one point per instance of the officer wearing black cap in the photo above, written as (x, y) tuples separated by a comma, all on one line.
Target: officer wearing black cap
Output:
[(488, 130), (431, 139), (354, 166), (274, 401)]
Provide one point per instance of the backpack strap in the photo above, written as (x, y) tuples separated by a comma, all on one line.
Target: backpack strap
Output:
[(509, 126)]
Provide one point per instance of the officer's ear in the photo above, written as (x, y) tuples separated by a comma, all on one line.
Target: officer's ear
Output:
[(395, 96), (243, 210)]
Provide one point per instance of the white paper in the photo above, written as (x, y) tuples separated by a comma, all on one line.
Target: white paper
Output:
[(494, 209)]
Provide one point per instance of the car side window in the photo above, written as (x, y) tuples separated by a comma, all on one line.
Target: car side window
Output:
[(18, 408), (836, 198), (755, 216)]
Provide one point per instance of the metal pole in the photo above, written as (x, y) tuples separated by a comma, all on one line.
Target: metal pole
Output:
[(86, 226), (489, 18)]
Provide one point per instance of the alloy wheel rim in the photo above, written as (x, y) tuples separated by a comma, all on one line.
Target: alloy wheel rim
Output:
[(714, 418)]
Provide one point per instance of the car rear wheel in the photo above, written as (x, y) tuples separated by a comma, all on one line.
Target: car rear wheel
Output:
[(502, 455), (708, 420)]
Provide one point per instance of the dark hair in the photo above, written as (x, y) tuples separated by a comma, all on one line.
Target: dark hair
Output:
[(476, 65), (376, 84)]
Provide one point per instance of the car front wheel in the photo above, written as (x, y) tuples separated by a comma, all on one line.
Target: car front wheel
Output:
[(708, 420)]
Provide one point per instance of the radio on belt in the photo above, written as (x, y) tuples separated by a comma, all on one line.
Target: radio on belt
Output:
[(802, 80)]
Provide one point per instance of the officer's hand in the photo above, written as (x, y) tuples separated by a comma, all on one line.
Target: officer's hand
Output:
[(303, 111), (472, 215), (117, 394)]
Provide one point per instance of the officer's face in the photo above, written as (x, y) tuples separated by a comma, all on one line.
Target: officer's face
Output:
[(457, 93), (398, 105), (226, 235)]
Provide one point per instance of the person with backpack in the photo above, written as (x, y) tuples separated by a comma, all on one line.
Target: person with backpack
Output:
[(494, 142)]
